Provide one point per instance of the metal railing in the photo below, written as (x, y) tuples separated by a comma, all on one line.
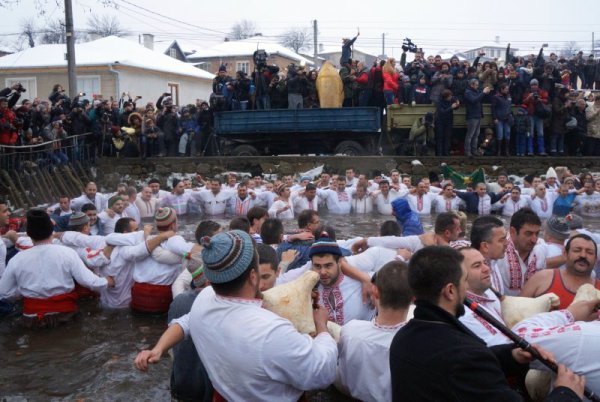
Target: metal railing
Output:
[(36, 174)]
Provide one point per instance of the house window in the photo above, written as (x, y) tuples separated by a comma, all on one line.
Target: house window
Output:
[(90, 85), (173, 52), (174, 90), (207, 66), (242, 66), (29, 83)]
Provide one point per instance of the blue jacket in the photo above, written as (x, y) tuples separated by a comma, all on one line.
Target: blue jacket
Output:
[(473, 100), (408, 220), (562, 205)]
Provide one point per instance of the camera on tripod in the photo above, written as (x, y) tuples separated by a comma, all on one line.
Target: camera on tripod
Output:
[(409, 46)]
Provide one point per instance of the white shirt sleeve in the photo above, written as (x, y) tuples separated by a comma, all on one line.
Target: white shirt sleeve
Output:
[(412, 243), (184, 323), (292, 358)]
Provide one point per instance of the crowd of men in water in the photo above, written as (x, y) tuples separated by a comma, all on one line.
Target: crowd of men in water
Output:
[(228, 347)]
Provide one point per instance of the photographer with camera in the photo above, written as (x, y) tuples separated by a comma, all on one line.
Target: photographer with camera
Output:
[(296, 86), (536, 100), (241, 91), (219, 84), (168, 122), (278, 92), (55, 133)]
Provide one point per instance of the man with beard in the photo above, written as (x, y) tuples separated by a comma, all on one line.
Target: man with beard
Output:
[(249, 352), (580, 252), (340, 294), (108, 218), (523, 255), (435, 357)]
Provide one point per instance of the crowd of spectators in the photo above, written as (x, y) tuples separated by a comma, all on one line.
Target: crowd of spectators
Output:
[(534, 98)]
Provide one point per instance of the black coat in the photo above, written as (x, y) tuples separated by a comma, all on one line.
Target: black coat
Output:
[(436, 358)]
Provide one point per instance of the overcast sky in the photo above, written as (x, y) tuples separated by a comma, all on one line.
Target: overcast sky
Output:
[(432, 24)]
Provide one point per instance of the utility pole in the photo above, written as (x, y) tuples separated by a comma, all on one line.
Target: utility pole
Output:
[(315, 44), (70, 34), (593, 44), (383, 44)]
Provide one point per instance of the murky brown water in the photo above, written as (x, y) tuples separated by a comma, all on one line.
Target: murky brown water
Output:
[(92, 359)]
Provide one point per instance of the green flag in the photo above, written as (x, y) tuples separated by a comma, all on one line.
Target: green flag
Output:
[(461, 180)]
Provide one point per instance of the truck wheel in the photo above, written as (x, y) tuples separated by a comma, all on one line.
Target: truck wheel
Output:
[(244, 150), (350, 148)]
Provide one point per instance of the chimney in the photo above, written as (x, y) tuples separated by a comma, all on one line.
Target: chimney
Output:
[(321, 47), (148, 41), (497, 39)]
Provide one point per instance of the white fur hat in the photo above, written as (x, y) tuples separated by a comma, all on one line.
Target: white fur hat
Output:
[(551, 173)]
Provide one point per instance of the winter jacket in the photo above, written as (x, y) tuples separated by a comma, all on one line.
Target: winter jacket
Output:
[(421, 94), (560, 115), (531, 102), (8, 131), (390, 81), (501, 107), (472, 103), (444, 113), (439, 82), (408, 220)]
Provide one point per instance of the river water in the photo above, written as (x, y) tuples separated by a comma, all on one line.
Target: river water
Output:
[(91, 359)]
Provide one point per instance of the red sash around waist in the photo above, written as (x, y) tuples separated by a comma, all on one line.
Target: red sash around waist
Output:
[(64, 303), (149, 298)]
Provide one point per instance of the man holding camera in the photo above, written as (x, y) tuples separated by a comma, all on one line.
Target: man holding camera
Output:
[(536, 100)]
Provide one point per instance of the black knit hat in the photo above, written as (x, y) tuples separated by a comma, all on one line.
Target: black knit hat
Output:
[(39, 225)]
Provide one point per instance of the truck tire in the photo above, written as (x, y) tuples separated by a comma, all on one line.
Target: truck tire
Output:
[(350, 148), (244, 150)]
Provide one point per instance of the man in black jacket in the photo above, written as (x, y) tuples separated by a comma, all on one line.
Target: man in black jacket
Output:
[(436, 358)]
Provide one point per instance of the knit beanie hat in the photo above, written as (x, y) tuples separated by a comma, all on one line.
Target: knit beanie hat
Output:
[(534, 82), (164, 216), (325, 245), (222, 68), (558, 228), (193, 263), (113, 199), (78, 219), (39, 225), (574, 221), (226, 255)]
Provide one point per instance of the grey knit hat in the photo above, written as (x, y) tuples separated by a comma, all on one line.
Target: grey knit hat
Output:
[(78, 219), (226, 255), (558, 228)]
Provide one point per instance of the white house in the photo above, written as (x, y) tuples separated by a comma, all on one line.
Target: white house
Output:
[(106, 68)]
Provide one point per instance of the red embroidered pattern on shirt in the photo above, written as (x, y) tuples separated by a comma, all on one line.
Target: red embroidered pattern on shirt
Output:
[(514, 266)]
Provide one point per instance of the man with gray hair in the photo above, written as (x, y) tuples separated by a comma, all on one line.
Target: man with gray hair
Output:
[(473, 100)]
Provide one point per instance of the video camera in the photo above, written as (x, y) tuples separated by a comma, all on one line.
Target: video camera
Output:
[(409, 46)]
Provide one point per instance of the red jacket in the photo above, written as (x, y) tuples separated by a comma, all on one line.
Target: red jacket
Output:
[(8, 132), (530, 103), (390, 81)]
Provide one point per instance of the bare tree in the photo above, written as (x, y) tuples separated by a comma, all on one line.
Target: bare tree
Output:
[(243, 29), (297, 39), (105, 26), (28, 31), (54, 32), (570, 49)]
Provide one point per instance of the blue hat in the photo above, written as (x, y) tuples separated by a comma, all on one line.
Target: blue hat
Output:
[(325, 245), (226, 255)]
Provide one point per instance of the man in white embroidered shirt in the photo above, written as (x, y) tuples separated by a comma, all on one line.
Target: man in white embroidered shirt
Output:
[(364, 345), (341, 295), (250, 353)]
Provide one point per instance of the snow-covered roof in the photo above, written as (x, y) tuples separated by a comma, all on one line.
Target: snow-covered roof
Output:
[(338, 49), (245, 47), (101, 52)]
